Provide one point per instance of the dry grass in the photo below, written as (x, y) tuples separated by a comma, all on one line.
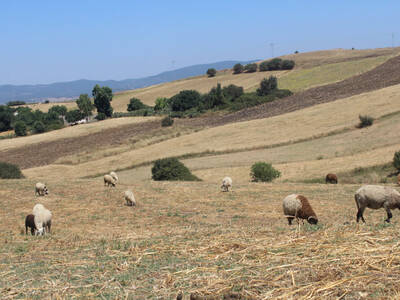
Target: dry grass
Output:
[(193, 238)]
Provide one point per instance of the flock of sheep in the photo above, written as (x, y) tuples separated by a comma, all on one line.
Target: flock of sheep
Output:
[(295, 206)]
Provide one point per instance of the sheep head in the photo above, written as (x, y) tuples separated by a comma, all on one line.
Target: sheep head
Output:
[(312, 220), (40, 231)]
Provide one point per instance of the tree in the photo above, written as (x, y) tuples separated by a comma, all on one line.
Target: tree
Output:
[(232, 91), (211, 72), (267, 85), (264, 66), (102, 98), (250, 68), (185, 100), (61, 110), (6, 117), (74, 115), (85, 106), (275, 64), (161, 104), (39, 127), (238, 68), (135, 104), (215, 97), (20, 128)]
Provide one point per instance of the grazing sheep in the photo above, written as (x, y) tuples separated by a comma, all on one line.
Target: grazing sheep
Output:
[(30, 222), (130, 199), (375, 197), (41, 189), (108, 179), (331, 178), (42, 219), (226, 184), (297, 206), (115, 176)]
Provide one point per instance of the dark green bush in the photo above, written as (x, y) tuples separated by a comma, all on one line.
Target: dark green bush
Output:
[(6, 117), (60, 110), (16, 103), (267, 86), (20, 128), (39, 127), (275, 64), (396, 160), (171, 169), (211, 72), (231, 92), (167, 121), (74, 115), (185, 100), (238, 68), (365, 121), (264, 66), (287, 64), (10, 171), (161, 104), (214, 98), (101, 116), (250, 68), (135, 104), (261, 171)]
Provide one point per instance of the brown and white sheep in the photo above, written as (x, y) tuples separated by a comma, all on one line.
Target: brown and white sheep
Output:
[(375, 197), (41, 189), (42, 219), (331, 178), (297, 206), (30, 222), (226, 184), (115, 176), (109, 180)]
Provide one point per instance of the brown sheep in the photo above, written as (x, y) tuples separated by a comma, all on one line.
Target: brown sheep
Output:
[(30, 222), (297, 206), (331, 178)]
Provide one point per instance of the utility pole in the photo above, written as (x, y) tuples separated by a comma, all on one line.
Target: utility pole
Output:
[(392, 39), (272, 49)]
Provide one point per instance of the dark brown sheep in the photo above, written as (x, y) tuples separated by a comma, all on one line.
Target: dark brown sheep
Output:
[(297, 206), (331, 178), (30, 222)]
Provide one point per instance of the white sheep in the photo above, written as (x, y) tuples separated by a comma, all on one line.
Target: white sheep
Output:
[(375, 197), (226, 184), (297, 206), (41, 189), (42, 219), (130, 199), (114, 175), (108, 179)]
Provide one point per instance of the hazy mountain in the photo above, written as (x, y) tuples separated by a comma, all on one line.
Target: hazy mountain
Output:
[(73, 89)]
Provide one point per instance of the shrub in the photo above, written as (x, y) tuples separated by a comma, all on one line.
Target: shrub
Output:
[(20, 128), (250, 68), (396, 160), (16, 103), (275, 64), (185, 100), (365, 121), (167, 121), (231, 92), (238, 68), (135, 104), (214, 98), (101, 116), (74, 115), (171, 169), (161, 104), (264, 66), (287, 64), (211, 72), (261, 171), (267, 86), (39, 127), (60, 110), (10, 171), (6, 117)]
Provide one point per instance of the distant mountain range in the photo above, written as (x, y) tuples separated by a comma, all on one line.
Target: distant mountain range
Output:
[(72, 89)]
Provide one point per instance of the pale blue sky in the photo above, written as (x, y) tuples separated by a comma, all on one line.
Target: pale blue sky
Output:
[(51, 41)]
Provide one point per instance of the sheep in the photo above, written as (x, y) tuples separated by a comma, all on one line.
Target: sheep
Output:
[(226, 184), (375, 197), (30, 222), (41, 189), (42, 219), (297, 206), (331, 178), (108, 179), (130, 199), (114, 175)]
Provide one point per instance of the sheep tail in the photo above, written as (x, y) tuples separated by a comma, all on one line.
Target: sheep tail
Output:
[(356, 197)]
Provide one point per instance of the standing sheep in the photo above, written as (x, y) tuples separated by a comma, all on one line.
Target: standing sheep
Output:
[(331, 178), (130, 199), (41, 189), (30, 222), (375, 197), (297, 206), (108, 179), (42, 219), (115, 176), (226, 184)]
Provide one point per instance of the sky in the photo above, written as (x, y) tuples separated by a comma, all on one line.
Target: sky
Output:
[(52, 41)]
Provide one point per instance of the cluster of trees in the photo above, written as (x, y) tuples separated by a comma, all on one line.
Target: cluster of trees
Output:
[(269, 65)]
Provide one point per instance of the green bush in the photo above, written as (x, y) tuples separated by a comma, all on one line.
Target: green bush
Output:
[(261, 171), (101, 116), (231, 92), (16, 103), (211, 72), (185, 100), (39, 127), (250, 68), (275, 64), (10, 171), (135, 104), (74, 115), (287, 64), (264, 66), (60, 110), (167, 121), (396, 160), (161, 104), (365, 121), (238, 68), (171, 169), (267, 86), (20, 128)]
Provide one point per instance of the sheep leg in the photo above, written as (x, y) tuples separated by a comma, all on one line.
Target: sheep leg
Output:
[(389, 215), (290, 219), (49, 226), (360, 214)]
